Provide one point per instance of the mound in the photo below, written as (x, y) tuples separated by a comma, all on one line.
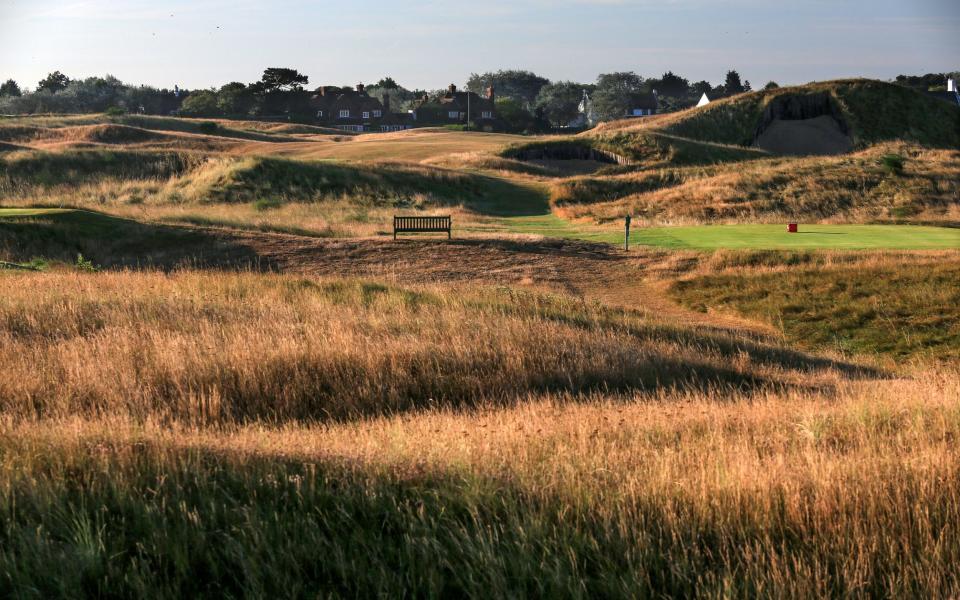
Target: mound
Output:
[(110, 134), (39, 169), (381, 184)]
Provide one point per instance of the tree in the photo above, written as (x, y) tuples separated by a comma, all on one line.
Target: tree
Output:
[(399, 98), (700, 88), (560, 102), (53, 83), (9, 88), (732, 85), (519, 85), (616, 93), (514, 116), (282, 79), (670, 85), (235, 98), (747, 87), (387, 83), (202, 103), (771, 85)]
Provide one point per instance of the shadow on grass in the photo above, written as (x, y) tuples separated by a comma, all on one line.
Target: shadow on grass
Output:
[(113, 242), (728, 344)]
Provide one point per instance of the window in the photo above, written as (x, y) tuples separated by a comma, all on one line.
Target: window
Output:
[(486, 114), (454, 114), (366, 115), (345, 114), (319, 114), (377, 114)]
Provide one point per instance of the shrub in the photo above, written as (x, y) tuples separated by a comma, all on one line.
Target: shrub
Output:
[(208, 127), (892, 163)]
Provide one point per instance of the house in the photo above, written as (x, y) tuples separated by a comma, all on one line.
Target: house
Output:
[(952, 95), (458, 108), (643, 105), (355, 110), (704, 100)]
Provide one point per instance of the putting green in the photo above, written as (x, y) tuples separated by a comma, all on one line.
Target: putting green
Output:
[(773, 237)]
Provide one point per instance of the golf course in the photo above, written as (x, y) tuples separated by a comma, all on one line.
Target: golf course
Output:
[(223, 377)]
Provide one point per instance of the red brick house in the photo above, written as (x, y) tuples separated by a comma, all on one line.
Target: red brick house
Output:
[(452, 108), (355, 110)]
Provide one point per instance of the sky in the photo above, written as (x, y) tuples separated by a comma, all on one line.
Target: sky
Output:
[(429, 44)]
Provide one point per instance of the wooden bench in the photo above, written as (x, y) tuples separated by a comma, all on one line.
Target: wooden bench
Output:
[(422, 225)]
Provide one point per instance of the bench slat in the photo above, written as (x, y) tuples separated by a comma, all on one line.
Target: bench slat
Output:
[(422, 225)]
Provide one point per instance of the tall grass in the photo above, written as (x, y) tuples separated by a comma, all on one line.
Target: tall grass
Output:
[(237, 348), (787, 495), (232, 434)]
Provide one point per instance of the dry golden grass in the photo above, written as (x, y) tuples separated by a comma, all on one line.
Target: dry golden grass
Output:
[(230, 348), (790, 494), (159, 431)]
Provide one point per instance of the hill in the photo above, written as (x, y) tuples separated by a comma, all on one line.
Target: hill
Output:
[(868, 112)]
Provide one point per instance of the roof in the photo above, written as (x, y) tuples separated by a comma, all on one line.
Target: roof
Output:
[(460, 100)]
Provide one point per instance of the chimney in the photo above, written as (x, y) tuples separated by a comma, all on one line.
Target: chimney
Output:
[(386, 101), (491, 94), (360, 88), (951, 86), (452, 89), (323, 90)]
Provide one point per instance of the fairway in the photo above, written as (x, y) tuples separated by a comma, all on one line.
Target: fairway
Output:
[(842, 237)]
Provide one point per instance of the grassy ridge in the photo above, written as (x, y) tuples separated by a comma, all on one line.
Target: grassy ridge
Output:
[(857, 188)]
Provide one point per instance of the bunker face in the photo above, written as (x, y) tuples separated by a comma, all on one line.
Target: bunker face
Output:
[(810, 124), (817, 136), (774, 237)]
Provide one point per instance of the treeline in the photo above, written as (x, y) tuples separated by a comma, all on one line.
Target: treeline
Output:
[(526, 102), (931, 82)]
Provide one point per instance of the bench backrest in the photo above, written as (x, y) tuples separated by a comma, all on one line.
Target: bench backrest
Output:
[(421, 224)]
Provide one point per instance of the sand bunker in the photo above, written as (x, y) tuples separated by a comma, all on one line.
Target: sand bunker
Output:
[(820, 136), (803, 124)]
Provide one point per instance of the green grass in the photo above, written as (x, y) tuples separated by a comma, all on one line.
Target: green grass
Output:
[(837, 237), (901, 311), (757, 237)]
